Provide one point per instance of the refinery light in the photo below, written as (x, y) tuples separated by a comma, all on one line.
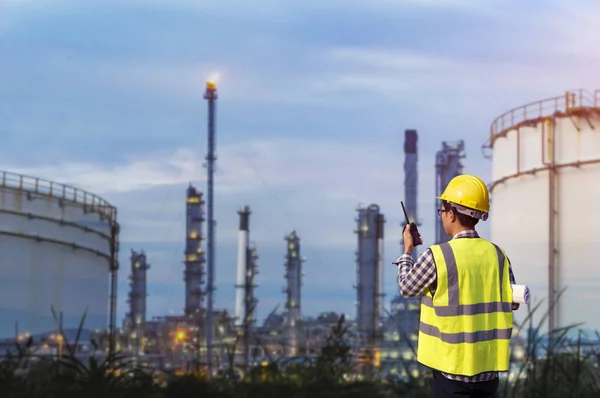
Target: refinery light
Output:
[(211, 82)]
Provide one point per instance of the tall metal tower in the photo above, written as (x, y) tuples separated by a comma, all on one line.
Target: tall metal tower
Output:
[(242, 265), (193, 274), (211, 96), (380, 224), (408, 317), (250, 300), (293, 275), (411, 177), (447, 166), (245, 301), (137, 300), (369, 278)]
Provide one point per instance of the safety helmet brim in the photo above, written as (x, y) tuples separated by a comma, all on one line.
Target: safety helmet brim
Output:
[(478, 214)]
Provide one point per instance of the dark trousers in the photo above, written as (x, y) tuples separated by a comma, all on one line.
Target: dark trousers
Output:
[(446, 388)]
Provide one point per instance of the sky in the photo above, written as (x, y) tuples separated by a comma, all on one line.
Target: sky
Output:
[(314, 98)]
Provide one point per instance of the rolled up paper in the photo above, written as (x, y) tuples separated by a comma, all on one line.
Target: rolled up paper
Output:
[(520, 294)]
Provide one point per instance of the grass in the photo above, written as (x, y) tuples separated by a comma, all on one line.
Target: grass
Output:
[(555, 369)]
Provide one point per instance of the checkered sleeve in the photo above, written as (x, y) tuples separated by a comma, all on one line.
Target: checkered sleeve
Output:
[(415, 277)]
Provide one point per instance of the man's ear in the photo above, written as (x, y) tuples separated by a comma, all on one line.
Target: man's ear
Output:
[(453, 216)]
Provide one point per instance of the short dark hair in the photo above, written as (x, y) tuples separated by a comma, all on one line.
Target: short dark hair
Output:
[(463, 219)]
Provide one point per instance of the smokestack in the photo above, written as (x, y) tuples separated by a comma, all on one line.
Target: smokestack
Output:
[(242, 263), (411, 176)]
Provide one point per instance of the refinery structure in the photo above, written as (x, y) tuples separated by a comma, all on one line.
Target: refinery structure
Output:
[(59, 248), (549, 153), (63, 243)]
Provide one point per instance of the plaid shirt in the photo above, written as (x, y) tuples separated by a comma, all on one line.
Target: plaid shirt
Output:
[(415, 277)]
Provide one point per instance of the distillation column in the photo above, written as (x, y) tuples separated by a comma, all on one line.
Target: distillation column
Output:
[(250, 300), (293, 275), (378, 310), (247, 268), (369, 274), (194, 255), (137, 301), (242, 264), (447, 166)]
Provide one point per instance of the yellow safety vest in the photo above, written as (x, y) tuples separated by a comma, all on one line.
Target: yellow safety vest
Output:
[(466, 325)]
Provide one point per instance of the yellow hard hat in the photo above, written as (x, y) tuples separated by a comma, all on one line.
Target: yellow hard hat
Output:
[(468, 191)]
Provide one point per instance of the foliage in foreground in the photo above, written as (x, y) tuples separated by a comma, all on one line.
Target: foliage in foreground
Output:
[(551, 366)]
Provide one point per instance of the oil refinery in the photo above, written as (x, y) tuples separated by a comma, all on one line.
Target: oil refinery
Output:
[(63, 243)]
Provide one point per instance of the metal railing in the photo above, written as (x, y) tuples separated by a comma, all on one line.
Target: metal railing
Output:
[(58, 191), (570, 101)]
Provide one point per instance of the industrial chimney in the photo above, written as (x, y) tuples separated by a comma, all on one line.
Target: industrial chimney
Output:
[(242, 263)]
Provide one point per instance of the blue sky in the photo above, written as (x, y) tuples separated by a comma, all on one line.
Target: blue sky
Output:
[(314, 99)]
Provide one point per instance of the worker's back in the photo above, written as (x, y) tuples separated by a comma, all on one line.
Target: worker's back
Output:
[(466, 324)]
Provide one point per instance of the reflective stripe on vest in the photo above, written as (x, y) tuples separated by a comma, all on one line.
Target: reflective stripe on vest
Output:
[(467, 331), (454, 308)]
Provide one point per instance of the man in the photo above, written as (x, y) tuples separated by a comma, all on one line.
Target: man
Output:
[(466, 309)]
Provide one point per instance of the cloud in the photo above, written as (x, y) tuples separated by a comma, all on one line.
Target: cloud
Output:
[(574, 38), (313, 98), (280, 9), (325, 71), (287, 173), (166, 67), (447, 6), (394, 71)]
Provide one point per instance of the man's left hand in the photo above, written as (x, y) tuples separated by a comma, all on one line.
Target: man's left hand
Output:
[(409, 246)]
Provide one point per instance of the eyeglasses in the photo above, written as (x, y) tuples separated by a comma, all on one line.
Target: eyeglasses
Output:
[(440, 211)]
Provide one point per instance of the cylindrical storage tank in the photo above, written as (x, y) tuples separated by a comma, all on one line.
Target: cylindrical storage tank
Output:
[(55, 245), (545, 197)]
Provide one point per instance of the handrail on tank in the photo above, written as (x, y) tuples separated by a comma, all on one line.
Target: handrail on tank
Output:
[(59, 191), (571, 100)]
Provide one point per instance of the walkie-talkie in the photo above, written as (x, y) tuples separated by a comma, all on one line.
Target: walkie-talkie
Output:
[(413, 228)]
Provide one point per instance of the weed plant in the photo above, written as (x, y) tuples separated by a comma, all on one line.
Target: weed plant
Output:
[(550, 366)]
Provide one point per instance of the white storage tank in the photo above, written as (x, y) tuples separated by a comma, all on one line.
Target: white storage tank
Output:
[(546, 201), (55, 250)]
